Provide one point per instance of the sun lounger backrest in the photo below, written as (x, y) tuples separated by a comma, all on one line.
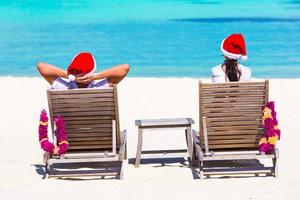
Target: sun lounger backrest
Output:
[(232, 112), (88, 115)]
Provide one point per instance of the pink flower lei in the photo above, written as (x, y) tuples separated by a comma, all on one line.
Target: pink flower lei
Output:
[(60, 134), (271, 129)]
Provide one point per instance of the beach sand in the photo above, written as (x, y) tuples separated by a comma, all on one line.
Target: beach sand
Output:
[(22, 99)]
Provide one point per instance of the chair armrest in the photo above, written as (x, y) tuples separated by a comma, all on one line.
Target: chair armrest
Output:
[(122, 151), (197, 145)]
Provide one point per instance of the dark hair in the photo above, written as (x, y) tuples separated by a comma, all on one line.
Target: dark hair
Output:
[(231, 69)]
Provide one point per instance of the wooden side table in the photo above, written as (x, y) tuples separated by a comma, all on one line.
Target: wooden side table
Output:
[(172, 123)]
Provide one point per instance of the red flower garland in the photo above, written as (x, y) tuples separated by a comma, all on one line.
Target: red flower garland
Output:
[(272, 131), (60, 134)]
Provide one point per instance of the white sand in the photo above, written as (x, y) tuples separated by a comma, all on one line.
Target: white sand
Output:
[(23, 98)]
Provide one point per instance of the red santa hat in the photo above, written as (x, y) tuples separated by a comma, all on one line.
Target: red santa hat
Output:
[(234, 47), (82, 64)]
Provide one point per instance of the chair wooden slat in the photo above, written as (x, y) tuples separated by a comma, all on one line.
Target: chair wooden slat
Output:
[(244, 113), (236, 90), (232, 104), (93, 134), (82, 105), (90, 126), (249, 146), (233, 123), (88, 113), (87, 122), (90, 147), (229, 118), (82, 91), (94, 142), (232, 98), (96, 138), (229, 84), (89, 130), (83, 96), (258, 131), (232, 109), (232, 94), (233, 136), (232, 141), (78, 101), (88, 118), (237, 128), (75, 109)]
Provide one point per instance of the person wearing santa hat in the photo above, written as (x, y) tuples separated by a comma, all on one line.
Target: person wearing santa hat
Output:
[(81, 73), (233, 48)]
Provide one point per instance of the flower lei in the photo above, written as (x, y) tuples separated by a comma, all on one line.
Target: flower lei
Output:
[(60, 134), (271, 129)]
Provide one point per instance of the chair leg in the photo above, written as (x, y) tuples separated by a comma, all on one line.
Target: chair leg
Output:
[(195, 151), (189, 141), (139, 148), (275, 167), (124, 140), (125, 155), (201, 170), (120, 176), (194, 159), (275, 163), (46, 174), (46, 157)]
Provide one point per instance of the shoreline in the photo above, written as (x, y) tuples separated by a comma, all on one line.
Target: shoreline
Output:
[(155, 77)]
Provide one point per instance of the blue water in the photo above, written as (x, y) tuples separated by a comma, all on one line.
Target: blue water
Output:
[(159, 38)]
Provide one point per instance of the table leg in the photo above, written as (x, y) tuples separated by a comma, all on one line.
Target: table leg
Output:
[(189, 141), (139, 148)]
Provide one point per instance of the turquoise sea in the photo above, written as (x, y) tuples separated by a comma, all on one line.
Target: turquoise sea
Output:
[(158, 38)]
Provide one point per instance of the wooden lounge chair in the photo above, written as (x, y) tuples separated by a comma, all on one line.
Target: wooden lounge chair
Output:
[(92, 124), (231, 126)]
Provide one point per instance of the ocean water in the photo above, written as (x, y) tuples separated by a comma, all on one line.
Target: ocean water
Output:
[(158, 38)]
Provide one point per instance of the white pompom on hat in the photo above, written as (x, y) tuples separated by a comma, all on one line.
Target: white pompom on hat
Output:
[(234, 47), (72, 77), (82, 64)]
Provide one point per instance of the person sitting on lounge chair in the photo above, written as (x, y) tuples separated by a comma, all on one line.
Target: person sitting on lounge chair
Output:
[(233, 48), (81, 73)]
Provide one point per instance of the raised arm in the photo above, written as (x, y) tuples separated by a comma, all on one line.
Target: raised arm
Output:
[(50, 72), (114, 75)]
